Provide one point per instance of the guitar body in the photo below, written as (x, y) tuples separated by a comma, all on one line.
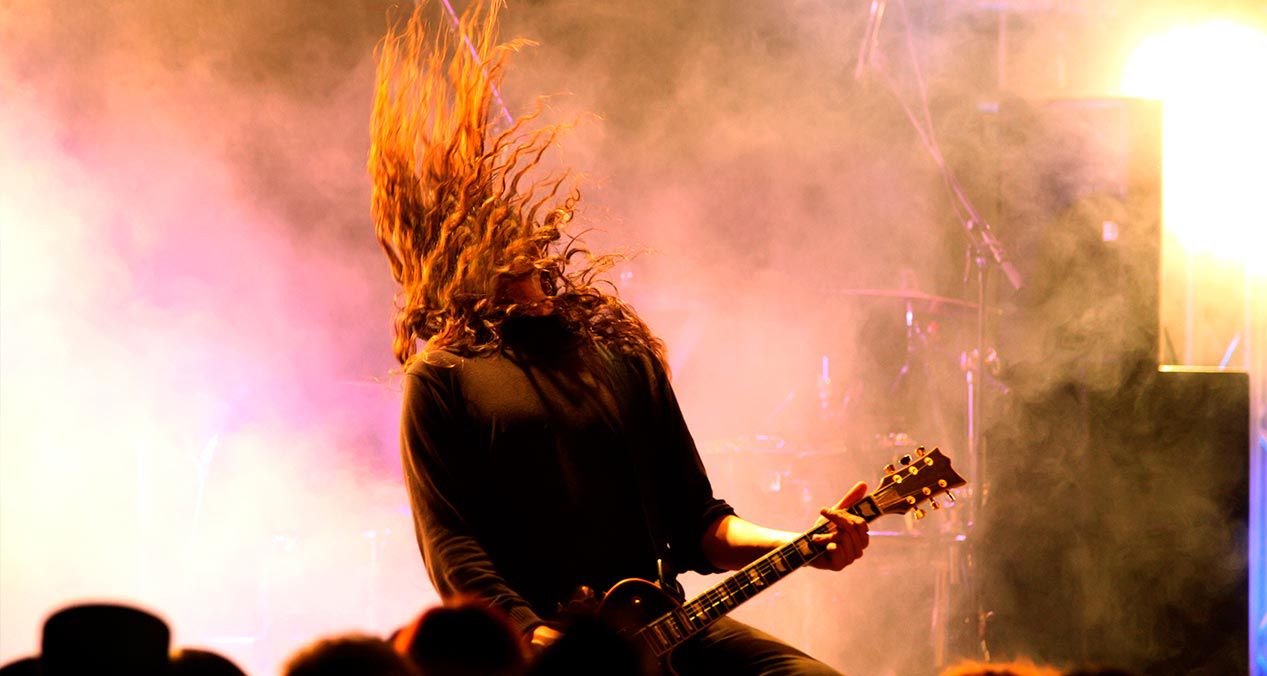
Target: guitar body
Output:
[(631, 605)]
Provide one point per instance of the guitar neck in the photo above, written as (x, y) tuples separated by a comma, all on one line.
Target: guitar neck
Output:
[(669, 630)]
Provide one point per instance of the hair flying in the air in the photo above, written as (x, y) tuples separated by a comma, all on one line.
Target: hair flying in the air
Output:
[(457, 205)]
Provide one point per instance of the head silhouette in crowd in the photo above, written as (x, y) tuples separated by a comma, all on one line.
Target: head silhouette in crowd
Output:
[(352, 654), (106, 638), (99, 638), (1017, 668), (1026, 668), (195, 662), (589, 646), (466, 637)]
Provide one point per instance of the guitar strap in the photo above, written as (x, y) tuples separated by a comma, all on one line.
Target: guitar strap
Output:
[(638, 462), (625, 390), (665, 575)]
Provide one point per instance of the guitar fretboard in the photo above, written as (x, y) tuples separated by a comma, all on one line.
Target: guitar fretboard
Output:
[(669, 630)]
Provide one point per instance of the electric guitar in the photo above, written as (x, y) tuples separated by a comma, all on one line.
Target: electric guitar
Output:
[(657, 624)]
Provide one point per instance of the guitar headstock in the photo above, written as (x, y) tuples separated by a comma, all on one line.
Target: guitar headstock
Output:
[(919, 478)]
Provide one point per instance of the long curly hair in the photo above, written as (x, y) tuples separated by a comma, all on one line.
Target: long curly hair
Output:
[(457, 209)]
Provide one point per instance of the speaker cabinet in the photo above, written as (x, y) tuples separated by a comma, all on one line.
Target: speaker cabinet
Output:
[(1116, 530)]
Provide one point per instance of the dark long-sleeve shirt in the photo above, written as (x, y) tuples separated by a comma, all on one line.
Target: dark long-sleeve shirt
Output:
[(551, 464)]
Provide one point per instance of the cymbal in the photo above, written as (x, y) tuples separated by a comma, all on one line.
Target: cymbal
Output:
[(912, 295)]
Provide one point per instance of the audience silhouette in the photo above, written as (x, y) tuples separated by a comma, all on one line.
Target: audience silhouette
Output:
[(465, 638)]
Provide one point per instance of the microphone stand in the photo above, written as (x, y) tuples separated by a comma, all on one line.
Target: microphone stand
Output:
[(986, 251)]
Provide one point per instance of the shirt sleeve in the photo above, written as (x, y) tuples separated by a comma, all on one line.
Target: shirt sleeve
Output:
[(684, 488), (430, 441)]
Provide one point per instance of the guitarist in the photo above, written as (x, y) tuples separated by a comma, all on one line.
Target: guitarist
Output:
[(542, 445)]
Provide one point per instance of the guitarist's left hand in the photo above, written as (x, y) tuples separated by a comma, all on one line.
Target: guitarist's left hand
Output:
[(845, 544)]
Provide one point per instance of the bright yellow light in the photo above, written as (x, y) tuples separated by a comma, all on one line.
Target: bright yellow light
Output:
[(1212, 81)]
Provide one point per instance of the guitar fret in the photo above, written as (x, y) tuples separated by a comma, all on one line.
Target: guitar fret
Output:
[(661, 635), (654, 638), (768, 574), (723, 596), (693, 619), (793, 557)]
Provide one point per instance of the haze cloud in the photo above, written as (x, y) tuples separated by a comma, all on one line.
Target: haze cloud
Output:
[(197, 407)]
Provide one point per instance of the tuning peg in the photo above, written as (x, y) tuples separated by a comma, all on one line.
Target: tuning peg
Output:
[(919, 513), (905, 460), (934, 503), (889, 468), (951, 496), (920, 452)]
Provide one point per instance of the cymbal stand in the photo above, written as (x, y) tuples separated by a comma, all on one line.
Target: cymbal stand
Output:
[(985, 252)]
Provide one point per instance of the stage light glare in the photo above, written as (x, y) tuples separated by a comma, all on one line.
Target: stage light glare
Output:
[(1214, 138)]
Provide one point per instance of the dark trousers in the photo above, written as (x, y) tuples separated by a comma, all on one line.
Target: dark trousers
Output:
[(733, 648)]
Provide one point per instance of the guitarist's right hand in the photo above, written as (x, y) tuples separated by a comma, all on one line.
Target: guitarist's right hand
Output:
[(542, 637)]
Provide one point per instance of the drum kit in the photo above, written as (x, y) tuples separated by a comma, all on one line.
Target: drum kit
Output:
[(906, 384), (910, 382)]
